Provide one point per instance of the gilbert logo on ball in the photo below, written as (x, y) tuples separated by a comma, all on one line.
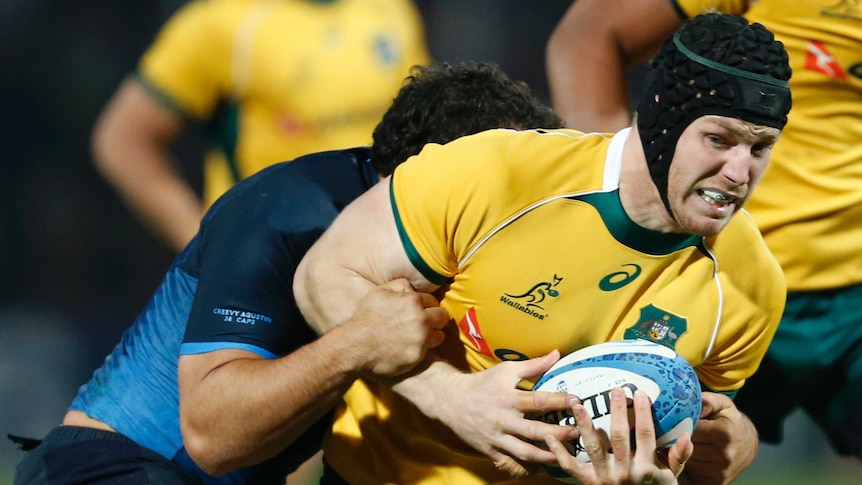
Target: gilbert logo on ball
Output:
[(592, 372)]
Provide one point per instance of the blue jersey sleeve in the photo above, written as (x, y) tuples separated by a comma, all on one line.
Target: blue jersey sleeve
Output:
[(250, 244)]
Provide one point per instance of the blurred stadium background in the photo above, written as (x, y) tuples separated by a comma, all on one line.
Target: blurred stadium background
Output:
[(75, 267)]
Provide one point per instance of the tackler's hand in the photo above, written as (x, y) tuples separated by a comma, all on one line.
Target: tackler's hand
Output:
[(394, 326), (612, 460)]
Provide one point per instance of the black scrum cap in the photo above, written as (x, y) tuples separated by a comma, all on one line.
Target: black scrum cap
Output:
[(715, 64)]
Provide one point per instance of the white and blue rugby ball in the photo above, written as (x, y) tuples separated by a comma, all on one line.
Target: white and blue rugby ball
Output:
[(590, 373)]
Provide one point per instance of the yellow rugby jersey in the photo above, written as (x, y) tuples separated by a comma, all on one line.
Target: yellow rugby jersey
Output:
[(529, 230), (276, 79), (809, 203)]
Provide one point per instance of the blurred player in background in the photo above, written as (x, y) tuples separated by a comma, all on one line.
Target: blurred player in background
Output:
[(270, 79), (548, 241), (219, 380), (808, 206)]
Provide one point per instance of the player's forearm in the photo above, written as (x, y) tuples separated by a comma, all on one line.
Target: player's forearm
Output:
[(592, 49), (150, 186), (587, 82), (427, 385), (131, 148), (249, 410), (586, 70), (166, 204)]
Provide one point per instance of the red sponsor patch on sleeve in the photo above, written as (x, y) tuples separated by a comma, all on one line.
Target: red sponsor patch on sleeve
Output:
[(469, 325)]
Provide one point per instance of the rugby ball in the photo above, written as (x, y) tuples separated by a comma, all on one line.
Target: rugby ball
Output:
[(592, 372)]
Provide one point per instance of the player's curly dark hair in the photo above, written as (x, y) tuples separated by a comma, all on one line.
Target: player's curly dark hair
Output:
[(444, 101)]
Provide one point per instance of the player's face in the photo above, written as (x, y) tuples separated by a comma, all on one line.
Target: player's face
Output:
[(716, 165)]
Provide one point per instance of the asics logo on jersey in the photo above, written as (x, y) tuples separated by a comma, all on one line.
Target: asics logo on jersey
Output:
[(530, 302), (618, 279)]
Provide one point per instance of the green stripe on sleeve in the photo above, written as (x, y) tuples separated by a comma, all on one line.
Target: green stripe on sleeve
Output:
[(408, 246)]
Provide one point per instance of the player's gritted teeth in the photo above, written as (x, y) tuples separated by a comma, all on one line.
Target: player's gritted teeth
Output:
[(715, 197)]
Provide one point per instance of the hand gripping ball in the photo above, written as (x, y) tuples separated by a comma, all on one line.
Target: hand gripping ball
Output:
[(592, 372)]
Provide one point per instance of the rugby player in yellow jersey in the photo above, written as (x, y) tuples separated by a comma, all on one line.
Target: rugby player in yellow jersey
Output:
[(269, 79), (545, 241), (809, 205)]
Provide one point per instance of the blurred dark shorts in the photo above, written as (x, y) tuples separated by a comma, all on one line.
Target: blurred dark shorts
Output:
[(330, 476), (73, 455), (813, 363)]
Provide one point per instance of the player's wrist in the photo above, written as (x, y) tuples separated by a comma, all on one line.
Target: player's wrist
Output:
[(428, 386), (349, 352)]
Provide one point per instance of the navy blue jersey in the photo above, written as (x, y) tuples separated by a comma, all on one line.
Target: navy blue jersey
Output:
[(231, 288)]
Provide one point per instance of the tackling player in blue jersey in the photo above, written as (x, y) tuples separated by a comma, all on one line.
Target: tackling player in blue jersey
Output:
[(219, 380)]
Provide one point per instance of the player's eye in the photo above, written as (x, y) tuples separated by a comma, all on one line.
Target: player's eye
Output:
[(715, 140)]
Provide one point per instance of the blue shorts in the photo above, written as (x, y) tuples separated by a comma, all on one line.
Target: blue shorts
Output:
[(814, 363), (73, 455)]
